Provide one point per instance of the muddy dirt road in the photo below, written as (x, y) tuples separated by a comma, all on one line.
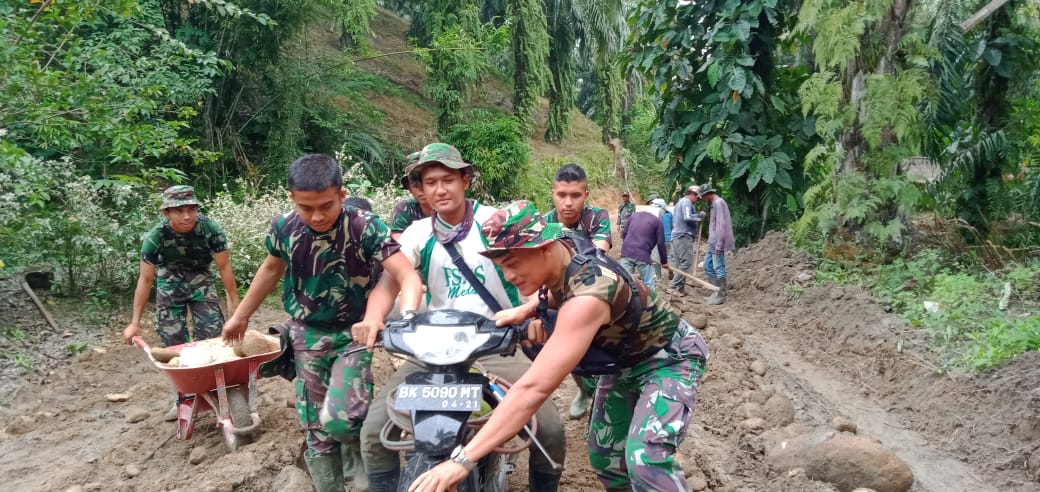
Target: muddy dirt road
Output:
[(786, 373)]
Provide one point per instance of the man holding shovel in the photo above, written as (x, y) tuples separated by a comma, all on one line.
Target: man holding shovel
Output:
[(685, 226)]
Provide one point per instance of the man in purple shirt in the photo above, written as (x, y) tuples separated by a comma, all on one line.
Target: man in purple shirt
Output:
[(644, 233), (720, 240)]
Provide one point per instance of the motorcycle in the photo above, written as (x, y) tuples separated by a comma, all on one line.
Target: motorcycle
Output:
[(444, 405)]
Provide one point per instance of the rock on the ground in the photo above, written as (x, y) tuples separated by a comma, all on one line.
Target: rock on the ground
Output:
[(93, 487), (842, 424), (198, 455), (762, 395), (696, 484), (20, 425), (135, 415), (845, 460), (74, 488), (698, 321), (778, 410), (751, 410), (751, 425), (758, 367), (292, 479), (117, 397), (804, 277), (131, 470)]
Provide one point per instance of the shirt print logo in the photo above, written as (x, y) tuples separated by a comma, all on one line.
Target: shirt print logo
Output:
[(457, 285)]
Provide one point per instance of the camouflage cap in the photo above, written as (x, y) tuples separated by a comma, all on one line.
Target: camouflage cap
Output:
[(409, 163), (519, 225), (179, 195), (707, 188), (439, 153)]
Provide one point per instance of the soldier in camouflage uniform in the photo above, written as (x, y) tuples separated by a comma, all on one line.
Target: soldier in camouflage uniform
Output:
[(176, 255), (641, 412), (412, 209), (327, 256), (569, 193), (625, 210)]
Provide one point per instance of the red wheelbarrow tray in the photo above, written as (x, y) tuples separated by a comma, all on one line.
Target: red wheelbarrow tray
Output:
[(201, 379)]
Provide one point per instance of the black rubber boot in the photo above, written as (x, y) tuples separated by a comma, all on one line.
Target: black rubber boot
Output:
[(543, 482), (384, 481), (719, 297)]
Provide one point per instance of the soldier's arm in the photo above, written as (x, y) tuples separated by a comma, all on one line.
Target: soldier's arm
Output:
[(227, 276), (145, 279), (264, 282)]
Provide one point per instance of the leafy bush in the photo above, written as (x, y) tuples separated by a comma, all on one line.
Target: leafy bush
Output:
[(88, 230), (497, 147)]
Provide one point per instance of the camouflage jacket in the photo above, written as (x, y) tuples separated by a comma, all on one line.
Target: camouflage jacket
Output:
[(405, 212), (624, 212), (174, 254), (656, 327), (593, 223), (329, 275)]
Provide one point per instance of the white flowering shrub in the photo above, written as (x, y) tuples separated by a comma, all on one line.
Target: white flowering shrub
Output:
[(357, 183), (246, 220)]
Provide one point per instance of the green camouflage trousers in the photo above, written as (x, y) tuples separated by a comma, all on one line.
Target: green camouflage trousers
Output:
[(639, 417), (177, 293), (332, 391)]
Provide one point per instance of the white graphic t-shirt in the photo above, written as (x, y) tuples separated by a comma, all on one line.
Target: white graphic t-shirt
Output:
[(446, 287)]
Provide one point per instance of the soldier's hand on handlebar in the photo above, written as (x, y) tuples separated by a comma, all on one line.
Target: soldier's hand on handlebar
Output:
[(536, 333), (367, 332)]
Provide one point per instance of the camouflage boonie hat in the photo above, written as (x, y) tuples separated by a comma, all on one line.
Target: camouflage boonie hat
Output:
[(519, 225), (439, 153), (409, 163), (176, 196)]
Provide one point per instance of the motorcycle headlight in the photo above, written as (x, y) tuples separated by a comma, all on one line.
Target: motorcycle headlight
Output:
[(444, 345)]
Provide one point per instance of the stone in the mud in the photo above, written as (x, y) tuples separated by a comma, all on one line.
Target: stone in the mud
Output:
[(117, 397), (796, 472), (847, 461), (762, 395), (732, 340), (93, 487), (292, 479), (1033, 465), (696, 484), (74, 488), (751, 425), (757, 367), (135, 415), (698, 321), (842, 424), (751, 411), (779, 411), (131, 470), (198, 455), (804, 277), (20, 425)]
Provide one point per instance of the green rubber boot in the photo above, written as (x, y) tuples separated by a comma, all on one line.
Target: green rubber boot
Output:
[(326, 472), (353, 465)]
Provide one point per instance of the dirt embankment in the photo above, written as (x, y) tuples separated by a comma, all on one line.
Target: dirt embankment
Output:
[(808, 388)]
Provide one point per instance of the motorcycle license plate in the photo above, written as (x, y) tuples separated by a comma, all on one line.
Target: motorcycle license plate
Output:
[(449, 397)]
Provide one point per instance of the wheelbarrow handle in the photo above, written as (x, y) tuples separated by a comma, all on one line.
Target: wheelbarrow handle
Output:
[(141, 343)]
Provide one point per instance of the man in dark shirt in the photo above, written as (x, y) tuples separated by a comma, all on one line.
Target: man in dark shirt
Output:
[(644, 233)]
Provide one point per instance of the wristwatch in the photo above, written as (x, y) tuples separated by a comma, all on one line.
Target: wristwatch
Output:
[(458, 455)]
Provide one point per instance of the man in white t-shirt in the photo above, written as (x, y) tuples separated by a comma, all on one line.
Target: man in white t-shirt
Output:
[(445, 177)]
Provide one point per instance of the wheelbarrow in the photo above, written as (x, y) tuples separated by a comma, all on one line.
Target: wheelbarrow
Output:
[(228, 388)]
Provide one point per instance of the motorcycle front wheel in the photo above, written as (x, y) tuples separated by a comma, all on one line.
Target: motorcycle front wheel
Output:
[(419, 463)]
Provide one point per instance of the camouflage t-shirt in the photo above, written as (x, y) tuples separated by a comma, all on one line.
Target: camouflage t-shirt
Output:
[(329, 275), (191, 252), (624, 212), (656, 327), (593, 223), (405, 212)]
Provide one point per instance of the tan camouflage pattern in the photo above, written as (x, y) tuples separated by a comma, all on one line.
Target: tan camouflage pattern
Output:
[(177, 196), (518, 225), (656, 326)]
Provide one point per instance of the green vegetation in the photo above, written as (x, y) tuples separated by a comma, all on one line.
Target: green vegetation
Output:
[(960, 304), (809, 115)]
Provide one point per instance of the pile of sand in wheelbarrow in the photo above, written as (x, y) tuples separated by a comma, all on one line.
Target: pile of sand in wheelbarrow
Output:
[(215, 351)]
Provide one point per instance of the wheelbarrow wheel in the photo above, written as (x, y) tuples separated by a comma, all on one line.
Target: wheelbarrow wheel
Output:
[(238, 403)]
